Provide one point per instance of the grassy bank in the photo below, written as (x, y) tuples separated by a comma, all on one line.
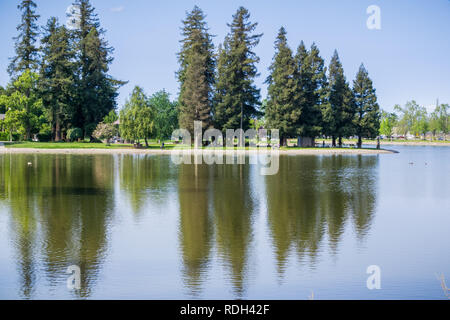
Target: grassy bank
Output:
[(75, 145), (387, 141)]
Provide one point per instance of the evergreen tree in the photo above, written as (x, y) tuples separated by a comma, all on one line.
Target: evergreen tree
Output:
[(367, 118), (57, 77), (312, 86), (196, 73), (338, 113), (195, 104), (282, 110), (26, 51), (237, 98), (2, 106), (97, 90)]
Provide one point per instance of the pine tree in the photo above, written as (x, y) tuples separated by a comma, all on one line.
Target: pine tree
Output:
[(97, 90), (282, 110), (195, 104), (237, 99), (367, 118), (196, 73), (57, 77), (312, 85), (2, 106), (338, 113), (26, 51)]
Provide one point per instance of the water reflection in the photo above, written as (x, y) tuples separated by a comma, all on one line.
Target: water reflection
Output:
[(196, 226), (234, 206), (62, 208), (144, 178), (312, 197)]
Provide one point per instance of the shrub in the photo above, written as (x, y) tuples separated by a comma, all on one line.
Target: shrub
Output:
[(74, 134), (45, 134), (4, 136)]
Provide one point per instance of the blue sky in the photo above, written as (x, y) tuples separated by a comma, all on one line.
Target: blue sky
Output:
[(409, 58)]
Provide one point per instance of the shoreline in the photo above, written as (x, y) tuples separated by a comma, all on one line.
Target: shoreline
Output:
[(318, 151), (410, 143)]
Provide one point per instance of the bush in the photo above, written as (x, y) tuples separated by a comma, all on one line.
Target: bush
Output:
[(4, 136), (45, 134), (74, 134)]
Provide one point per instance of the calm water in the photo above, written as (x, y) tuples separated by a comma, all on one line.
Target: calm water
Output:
[(141, 227)]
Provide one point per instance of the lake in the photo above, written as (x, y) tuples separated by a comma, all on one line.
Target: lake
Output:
[(142, 227)]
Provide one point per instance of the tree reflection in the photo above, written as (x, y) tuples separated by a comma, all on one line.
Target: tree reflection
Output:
[(233, 208), (314, 196), (62, 205), (195, 223), (144, 177)]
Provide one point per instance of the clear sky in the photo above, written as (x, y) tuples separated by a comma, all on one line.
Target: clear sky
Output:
[(408, 58)]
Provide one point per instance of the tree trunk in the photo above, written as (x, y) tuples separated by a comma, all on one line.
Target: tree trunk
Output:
[(359, 142), (53, 133), (340, 142), (333, 141), (146, 142), (58, 131)]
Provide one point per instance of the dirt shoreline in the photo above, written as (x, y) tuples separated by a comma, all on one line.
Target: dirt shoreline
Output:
[(410, 143), (325, 151)]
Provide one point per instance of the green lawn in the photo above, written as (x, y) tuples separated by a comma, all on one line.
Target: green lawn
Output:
[(76, 145), (63, 145), (347, 141)]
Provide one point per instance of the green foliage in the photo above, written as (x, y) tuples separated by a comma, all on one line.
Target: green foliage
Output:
[(338, 113), (282, 110), (4, 136), (27, 56), (413, 118), (439, 119), (166, 114), (388, 122), (111, 117), (2, 106), (74, 134), (236, 98), (24, 105), (45, 133), (312, 83), (196, 73), (137, 117), (57, 77), (367, 117), (97, 90)]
